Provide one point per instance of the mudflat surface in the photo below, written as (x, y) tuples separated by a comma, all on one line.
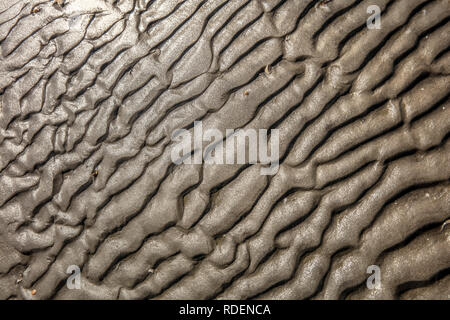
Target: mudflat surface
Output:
[(91, 91)]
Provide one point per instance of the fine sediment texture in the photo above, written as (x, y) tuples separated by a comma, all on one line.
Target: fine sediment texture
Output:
[(91, 91)]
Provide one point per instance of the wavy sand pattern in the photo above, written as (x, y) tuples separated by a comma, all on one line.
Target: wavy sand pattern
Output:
[(91, 91)]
